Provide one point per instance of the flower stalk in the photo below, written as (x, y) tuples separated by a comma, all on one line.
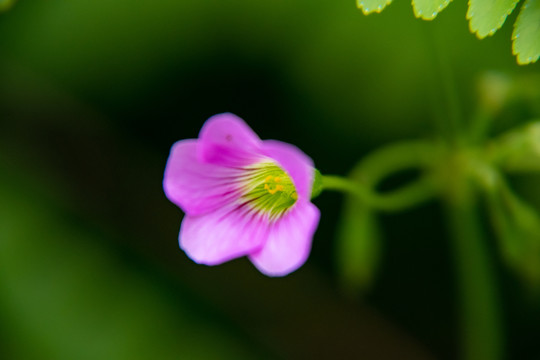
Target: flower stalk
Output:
[(481, 332), (451, 172), (383, 163)]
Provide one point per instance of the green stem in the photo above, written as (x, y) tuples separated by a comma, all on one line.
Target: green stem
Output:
[(404, 198), (446, 96), (481, 324), (382, 163), (396, 157), (479, 127), (481, 328), (338, 183), (451, 95)]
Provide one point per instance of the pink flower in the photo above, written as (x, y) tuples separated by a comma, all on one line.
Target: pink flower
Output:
[(242, 197)]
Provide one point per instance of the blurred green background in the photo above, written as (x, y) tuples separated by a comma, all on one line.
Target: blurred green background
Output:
[(92, 95)]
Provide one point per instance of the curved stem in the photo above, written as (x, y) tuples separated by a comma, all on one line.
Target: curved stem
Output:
[(396, 157), (382, 163), (338, 183), (482, 332), (406, 197)]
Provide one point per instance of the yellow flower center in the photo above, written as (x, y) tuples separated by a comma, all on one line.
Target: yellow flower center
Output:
[(269, 190)]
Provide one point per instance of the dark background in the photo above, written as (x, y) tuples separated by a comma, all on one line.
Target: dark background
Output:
[(92, 95)]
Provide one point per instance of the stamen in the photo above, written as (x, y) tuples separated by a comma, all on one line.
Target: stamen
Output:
[(269, 190)]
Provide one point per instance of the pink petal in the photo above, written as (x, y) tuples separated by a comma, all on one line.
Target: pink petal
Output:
[(223, 235), (227, 140), (298, 165), (198, 187), (289, 241)]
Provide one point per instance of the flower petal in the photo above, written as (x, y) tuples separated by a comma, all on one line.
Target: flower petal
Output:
[(298, 165), (222, 235), (198, 187), (227, 140), (289, 241)]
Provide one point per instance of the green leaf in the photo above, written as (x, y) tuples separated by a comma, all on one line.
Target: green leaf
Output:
[(526, 36), (357, 246), (371, 6), (487, 16), (428, 9)]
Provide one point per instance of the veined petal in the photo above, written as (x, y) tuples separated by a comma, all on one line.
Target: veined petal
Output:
[(223, 235), (195, 186), (227, 140), (298, 165), (289, 241)]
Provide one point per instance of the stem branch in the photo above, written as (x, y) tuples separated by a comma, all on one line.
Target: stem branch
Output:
[(481, 324)]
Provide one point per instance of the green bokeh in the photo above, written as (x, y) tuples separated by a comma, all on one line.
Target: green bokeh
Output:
[(94, 93)]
